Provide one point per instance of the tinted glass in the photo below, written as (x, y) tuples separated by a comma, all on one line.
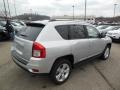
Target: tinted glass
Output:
[(92, 32), (77, 32), (63, 31), (30, 32)]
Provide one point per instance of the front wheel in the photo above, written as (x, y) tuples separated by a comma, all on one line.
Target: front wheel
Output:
[(61, 71)]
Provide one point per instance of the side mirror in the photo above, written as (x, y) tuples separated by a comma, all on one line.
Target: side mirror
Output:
[(102, 35)]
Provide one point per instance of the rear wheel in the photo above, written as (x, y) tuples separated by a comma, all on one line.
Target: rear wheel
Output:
[(106, 53), (119, 40), (61, 71)]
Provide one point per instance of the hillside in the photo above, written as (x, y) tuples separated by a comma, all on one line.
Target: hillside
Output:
[(31, 17)]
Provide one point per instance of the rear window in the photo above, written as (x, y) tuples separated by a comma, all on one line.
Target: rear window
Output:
[(31, 31)]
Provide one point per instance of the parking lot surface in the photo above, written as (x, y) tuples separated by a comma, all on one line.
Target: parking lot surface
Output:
[(92, 75)]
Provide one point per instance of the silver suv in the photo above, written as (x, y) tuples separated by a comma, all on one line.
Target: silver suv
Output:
[(55, 47)]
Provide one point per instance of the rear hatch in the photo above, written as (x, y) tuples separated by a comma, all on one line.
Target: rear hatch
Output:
[(23, 43)]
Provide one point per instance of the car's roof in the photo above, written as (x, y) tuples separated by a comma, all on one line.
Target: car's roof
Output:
[(45, 22)]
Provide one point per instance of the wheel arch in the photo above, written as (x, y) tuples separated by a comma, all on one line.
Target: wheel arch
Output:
[(109, 44), (68, 57)]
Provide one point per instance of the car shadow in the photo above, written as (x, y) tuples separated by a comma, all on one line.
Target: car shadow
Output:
[(45, 81), (22, 79), (2, 41), (116, 41)]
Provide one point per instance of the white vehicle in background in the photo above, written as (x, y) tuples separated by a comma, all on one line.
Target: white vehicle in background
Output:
[(115, 34), (110, 28), (21, 23), (17, 26)]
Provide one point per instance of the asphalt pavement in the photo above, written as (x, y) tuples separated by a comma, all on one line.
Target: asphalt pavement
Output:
[(93, 75)]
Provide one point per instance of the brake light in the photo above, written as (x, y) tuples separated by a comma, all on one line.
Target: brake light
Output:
[(38, 50)]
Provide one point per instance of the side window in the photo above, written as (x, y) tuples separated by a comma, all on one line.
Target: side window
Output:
[(63, 31), (77, 32), (92, 32)]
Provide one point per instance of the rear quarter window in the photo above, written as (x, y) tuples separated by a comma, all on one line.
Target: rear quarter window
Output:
[(30, 32)]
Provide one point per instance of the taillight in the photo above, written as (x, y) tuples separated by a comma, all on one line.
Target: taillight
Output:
[(38, 50)]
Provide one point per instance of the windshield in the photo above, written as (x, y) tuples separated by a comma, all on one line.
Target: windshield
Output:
[(15, 24), (21, 23)]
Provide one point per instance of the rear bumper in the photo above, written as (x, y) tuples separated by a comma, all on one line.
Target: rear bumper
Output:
[(20, 65), (32, 64)]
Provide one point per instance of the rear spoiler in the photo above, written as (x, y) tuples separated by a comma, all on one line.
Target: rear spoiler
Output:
[(35, 24)]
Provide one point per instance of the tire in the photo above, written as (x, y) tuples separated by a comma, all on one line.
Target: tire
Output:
[(106, 53), (1, 37), (58, 72), (119, 40)]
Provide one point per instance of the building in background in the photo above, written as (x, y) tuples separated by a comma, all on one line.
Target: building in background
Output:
[(89, 19)]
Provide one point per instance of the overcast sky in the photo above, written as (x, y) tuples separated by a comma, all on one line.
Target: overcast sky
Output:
[(64, 7)]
